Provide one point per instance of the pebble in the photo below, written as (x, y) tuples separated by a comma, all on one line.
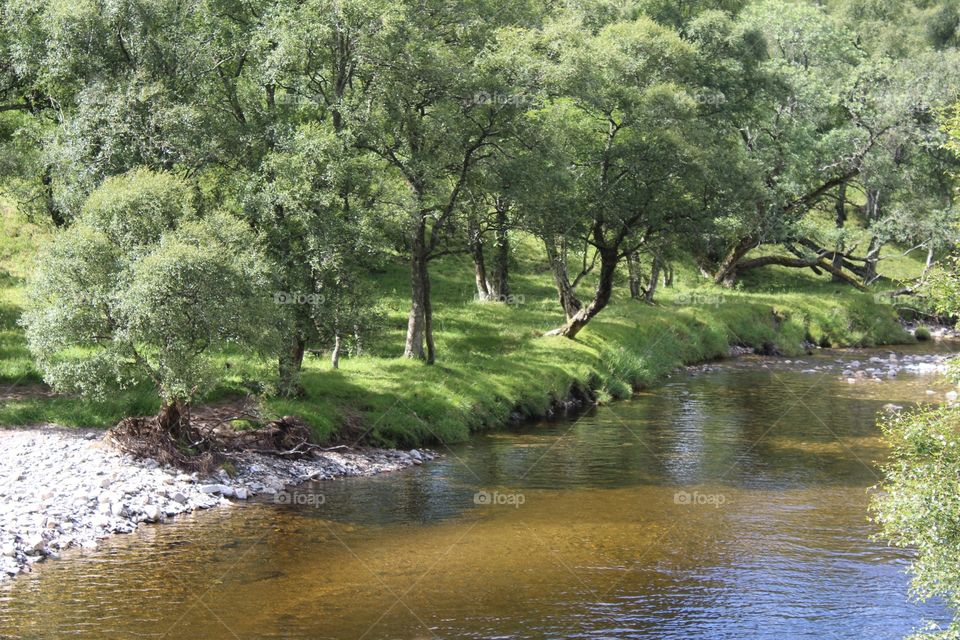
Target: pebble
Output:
[(69, 489)]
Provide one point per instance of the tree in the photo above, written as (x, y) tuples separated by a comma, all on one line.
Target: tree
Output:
[(623, 127), (142, 290), (444, 91), (918, 502), (826, 113)]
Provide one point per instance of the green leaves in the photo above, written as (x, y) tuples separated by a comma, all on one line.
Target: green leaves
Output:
[(139, 289), (918, 504), (138, 207)]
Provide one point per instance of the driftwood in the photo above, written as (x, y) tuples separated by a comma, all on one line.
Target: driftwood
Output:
[(201, 445)]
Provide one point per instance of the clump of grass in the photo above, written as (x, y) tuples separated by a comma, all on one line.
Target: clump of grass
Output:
[(922, 333)]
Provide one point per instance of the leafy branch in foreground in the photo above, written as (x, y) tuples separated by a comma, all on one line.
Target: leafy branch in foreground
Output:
[(919, 503)]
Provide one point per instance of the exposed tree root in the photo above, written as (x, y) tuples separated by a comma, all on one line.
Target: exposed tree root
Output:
[(202, 446)]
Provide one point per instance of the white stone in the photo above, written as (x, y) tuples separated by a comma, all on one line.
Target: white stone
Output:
[(222, 489), (36, 544)]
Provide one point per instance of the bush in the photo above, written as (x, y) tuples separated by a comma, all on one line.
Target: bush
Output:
[(922, 334), (918, 505), (140, 289)]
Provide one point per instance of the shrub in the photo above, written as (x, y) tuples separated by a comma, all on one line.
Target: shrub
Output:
[(140, 289)]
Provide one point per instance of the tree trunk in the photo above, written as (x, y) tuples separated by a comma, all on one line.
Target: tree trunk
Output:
[(608, 269), (357, 340), (419, 342), (706, 267), (727, 272), (654, 279), (633, 274), (557, 258), (289, 365), (172, 418), (475, 241), (668, 275), (841, 219), (55, 213), (928, 264), (498, 284), (872, 258), (872, 212), (335, 356)]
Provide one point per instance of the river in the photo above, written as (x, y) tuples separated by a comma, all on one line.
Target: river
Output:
[(728, 503)]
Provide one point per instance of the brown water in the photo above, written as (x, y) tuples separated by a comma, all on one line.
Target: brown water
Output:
[(725, 504)]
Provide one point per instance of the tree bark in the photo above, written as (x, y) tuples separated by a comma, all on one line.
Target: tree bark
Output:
[(557, 258), (928, 264), (498, 284), (800, 263), (872, 212), (289, 365), (419, 344), (55, 213), (357, 340), (634, 276), (479, 266), (654, 279), (841, 219), (726, 274), (873, 257), (335, 356), (171, 417), (601, 297)]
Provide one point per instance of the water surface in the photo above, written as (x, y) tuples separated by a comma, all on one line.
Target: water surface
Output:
[(723, 504)]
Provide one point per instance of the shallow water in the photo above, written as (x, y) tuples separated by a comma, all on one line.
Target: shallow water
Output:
[(730, 503)]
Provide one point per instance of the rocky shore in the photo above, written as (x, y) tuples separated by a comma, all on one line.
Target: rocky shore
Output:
[(63, 488), (875, 368)]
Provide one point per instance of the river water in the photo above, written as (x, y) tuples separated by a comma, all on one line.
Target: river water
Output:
[(729, 503)]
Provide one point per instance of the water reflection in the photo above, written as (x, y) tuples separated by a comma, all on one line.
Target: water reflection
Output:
[(727, 504)]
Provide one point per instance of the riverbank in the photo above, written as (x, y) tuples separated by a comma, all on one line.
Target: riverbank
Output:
[(605, 497), (494, 364), (63, 488)]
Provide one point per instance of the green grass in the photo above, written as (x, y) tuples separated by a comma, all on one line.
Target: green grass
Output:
[(492, 358), (17, 242)]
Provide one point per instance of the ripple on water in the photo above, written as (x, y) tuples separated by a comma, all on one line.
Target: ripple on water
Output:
[(730, 504)]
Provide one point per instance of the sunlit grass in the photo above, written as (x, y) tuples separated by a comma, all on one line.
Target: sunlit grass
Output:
[(492, 359)]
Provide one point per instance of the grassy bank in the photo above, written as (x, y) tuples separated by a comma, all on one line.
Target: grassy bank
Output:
[(492, 358)]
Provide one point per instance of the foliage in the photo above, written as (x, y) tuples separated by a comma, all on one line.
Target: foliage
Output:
[(138, 290), (919, 501)]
